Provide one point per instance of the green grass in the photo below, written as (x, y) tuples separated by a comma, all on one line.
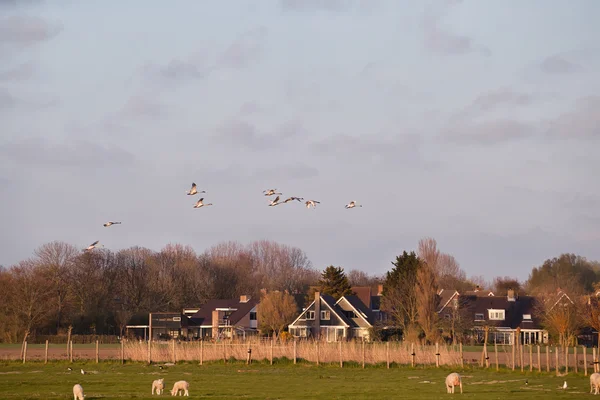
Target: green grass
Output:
[(283, 380)]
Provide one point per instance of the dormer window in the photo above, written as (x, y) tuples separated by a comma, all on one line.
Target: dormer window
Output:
[(526, 317), (496, 315)]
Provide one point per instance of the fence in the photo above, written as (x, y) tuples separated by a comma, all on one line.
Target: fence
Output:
[(519, 357)]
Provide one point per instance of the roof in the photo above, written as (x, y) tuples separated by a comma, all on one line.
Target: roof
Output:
[(356, 302), (445, 296), (363, 293), (204, 315), (478, 293), (514, 311)]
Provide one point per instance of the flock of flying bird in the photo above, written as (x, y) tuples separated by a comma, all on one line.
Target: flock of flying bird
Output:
[(270, 192)]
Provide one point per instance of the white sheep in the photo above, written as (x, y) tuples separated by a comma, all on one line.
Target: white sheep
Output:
[(182, 386), (158, 385), (453, 380), (78, 392), (595, 383)]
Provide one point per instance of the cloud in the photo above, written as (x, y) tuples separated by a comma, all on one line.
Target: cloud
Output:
[(441, 40), (495, 98), (22, 72), (236, 132), (488, 132), (559, 65), (77, 153), (582, 122), (316, 5), (247, 48), (26, 30)]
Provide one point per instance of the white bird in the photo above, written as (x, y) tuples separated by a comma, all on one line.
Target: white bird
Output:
[(199, 203), (69, 369), (352, 204), (271, 192), (274, 202), (312, 203), (92, 246), (193, 190), (564, 385), (293, 198), (109, 223), (82, 372)]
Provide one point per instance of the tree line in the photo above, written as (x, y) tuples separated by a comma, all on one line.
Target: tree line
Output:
[(101, 291)]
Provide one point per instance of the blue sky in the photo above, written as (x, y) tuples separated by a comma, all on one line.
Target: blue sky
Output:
[(475, 123)]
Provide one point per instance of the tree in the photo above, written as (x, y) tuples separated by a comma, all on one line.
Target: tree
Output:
[(334, 282), (399, 298), (502, 284), (456, 320), (590, 311), (450, 274), (427, 300), (559, 316), (569, 272), (275, 311)]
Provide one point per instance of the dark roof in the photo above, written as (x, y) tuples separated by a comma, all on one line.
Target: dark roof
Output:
[(445, 296), (514, 310), (363, 293), (330, 300), (204, 315), (356, 302)]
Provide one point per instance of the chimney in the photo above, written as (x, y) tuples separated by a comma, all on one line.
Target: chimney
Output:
[(244, 298), (511, 295), (317, 315), (379, 289)]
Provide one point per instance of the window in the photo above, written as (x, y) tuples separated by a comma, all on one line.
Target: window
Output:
[(310, 315), (325, 315), (496, 315), (252, 316), (527, 317), (177, 319), (479, 317), (350, 314)]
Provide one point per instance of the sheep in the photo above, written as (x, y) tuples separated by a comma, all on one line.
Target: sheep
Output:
[(182, 386), (78, 392), (595, 383), (159, 385), (453, 380)]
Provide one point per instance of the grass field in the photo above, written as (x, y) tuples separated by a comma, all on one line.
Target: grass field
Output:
[(283, 380)]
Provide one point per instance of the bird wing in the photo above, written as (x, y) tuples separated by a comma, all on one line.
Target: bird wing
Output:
[(276, 199), (95, 243)]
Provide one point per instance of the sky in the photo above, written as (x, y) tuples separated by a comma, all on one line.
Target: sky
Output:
[(475, 123)]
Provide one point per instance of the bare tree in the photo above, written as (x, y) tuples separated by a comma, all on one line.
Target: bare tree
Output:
[(560, 317), (427, 300), (275, 311), (501, 285)]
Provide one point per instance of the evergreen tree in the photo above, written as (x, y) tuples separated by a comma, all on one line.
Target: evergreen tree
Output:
[(334, 282)]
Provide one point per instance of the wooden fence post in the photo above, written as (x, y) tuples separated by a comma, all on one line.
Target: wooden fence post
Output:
[(122, 352), (462, 358), (149, 351), (387, 354), (363, 352), (412, 355), (271, 352), (437, 354), (496, 353), (97, 351), (521, 357), (46, 353), (71, 352), (513, 356), (575, 357), (539, 358), (547, 358), (530, 357), (202, 351), (556, 358), (341, 359), (317, 347), (584, 360), (295, 351), (173, 359), (24, 351), (249, 355), (566, 359), (594, 358), (224, 353)]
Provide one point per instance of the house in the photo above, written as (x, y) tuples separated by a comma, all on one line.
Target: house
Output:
[(331, 320), (508, 318), (217, 319)]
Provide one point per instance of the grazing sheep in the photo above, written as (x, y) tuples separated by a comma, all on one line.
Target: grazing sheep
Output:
[(595, 383), (159, 385), (453, 380), (78, 392), (182, 386)]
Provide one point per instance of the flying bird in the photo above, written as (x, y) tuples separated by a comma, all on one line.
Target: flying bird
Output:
[(352, 204), (92, 246), (293, 198), (109, 223), (193, 190), (271, 192), (312, 203), (274, 202), (199, 203)]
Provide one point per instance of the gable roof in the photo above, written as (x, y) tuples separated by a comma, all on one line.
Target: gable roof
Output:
[(560, 295), (204, 315), (330, 302), (513, 311), (363, 293), (361, 309), (446, 295)]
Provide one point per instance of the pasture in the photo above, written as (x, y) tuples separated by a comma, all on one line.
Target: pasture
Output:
[(283, 380)]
